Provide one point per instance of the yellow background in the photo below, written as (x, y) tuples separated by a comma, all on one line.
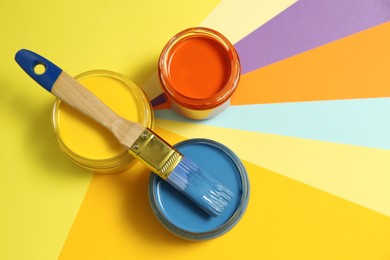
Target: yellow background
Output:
[(51, 208), (40, 189)]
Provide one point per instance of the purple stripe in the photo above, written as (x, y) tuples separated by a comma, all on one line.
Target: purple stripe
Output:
[(308, 24)]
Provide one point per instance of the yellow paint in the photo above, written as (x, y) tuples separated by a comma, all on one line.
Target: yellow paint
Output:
[(358, 174), (285, 219), (86, 137)]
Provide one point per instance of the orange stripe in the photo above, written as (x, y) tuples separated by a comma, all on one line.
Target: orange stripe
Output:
[(354, 67)]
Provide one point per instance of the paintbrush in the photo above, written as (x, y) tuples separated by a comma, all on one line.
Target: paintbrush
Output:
[(141, 142)]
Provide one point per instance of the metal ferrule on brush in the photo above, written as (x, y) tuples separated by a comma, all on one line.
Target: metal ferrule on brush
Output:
[(155, 153)]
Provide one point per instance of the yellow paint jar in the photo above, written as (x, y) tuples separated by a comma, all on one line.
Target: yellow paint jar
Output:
[(86, 142)]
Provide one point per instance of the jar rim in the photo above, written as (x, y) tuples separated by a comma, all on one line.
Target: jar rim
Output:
[(223, 228), (199, 103), (120, 161)]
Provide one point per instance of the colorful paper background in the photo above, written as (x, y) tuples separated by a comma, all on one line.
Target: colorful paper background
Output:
[(315, 93)]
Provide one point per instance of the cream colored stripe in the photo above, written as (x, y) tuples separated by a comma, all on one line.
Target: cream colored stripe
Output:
[(236, 19)]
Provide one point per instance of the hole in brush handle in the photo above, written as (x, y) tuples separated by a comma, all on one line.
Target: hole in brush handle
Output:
[(40, 68), (32, 64)]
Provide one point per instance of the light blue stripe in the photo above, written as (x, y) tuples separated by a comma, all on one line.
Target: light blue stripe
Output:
[(363, 122)]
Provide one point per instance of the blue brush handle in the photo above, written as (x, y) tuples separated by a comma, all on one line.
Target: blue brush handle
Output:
[(67, 89), (28, 60)]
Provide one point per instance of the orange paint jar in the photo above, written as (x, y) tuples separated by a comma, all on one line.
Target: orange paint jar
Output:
[(199, 70)]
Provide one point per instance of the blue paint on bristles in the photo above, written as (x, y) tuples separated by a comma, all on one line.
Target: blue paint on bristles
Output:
[(200, 186)]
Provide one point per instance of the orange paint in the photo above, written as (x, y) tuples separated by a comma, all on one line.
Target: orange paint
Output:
[(199, 67), (199, 70)]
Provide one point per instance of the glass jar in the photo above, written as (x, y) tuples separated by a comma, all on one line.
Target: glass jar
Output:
[(199, 70), (184, 218), (86, 142)]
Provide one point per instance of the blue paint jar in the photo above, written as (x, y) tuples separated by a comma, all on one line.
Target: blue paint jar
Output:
[(180, 215)]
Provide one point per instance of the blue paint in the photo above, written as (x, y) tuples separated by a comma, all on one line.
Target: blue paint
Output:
[(180, 215), (27, 60), (362, 122)]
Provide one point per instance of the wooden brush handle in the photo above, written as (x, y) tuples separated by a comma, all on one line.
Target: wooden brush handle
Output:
[(76, 95), (70, 91)]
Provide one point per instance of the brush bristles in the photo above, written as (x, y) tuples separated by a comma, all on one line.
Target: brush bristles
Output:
[(200, 187)]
